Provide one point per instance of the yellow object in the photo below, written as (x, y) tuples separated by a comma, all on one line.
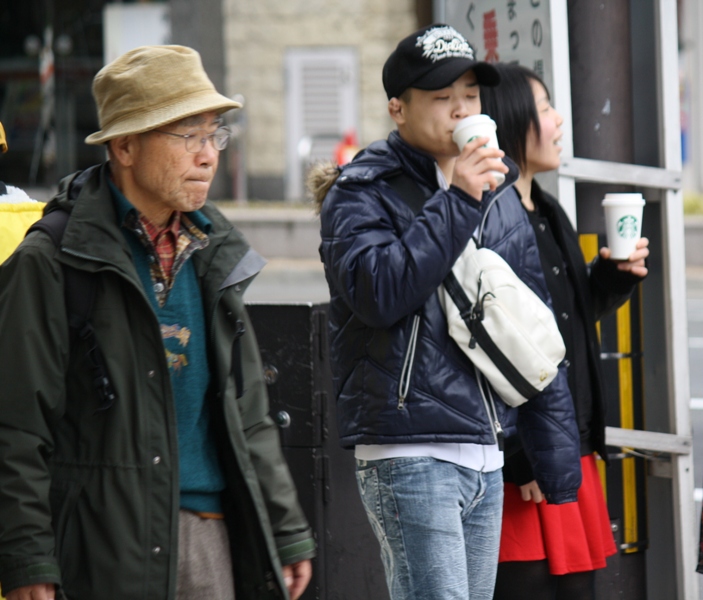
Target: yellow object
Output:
[(3, 139), (589, 248), (15, 219), (627, 421)]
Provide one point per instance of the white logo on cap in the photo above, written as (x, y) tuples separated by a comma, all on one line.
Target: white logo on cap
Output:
[(444, 42)]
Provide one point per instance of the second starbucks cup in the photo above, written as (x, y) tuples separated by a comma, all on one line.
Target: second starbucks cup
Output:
[(623, 223), (470, 128)]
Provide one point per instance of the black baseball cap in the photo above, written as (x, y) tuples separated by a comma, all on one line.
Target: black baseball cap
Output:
[(431, 59)]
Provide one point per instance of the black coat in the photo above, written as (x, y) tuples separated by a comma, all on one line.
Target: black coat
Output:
[(599, 289)]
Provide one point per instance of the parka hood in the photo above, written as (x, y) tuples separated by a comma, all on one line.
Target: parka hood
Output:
[(373, 161), (69, 188)]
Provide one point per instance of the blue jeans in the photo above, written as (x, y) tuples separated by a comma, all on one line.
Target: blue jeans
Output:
[(438, 525)]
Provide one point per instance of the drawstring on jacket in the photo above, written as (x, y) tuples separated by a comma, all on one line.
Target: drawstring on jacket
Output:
[(408, 364)]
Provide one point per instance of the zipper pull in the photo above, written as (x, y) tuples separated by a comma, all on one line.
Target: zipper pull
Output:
[(472, 342), (500, 435)]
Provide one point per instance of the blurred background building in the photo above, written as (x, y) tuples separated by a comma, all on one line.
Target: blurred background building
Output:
[(308, 70)]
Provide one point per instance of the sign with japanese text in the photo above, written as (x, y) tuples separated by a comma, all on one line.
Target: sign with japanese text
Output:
[(506, 31)]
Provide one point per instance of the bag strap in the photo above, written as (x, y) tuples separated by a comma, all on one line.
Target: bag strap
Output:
[(473, 318), (79, 294), (414, 197), (53, 225)]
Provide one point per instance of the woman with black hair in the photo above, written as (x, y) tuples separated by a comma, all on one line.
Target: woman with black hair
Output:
[(551, 552)]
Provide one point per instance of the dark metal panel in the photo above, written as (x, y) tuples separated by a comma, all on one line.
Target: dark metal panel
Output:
[(290, 345), (304, 467), (623, 576), (293, 344)]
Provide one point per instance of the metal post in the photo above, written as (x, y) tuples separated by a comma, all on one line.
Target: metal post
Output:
[(601, 97), (685, 525), (601, 92)]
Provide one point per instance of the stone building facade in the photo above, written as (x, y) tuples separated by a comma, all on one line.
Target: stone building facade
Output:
[(258, 34)]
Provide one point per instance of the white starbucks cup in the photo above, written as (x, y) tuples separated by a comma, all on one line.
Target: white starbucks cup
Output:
[(469, 128), (623, 223)]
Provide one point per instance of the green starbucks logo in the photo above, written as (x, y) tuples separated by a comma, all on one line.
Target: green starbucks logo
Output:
[(627, 227)]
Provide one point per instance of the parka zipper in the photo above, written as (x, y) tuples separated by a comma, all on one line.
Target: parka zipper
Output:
[(405, 374), (489, 403), (237, 358)]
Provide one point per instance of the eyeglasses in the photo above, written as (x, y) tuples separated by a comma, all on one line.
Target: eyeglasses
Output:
[(195, 142)]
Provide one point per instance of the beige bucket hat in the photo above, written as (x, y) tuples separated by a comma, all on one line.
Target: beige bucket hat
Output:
[(151, 86)]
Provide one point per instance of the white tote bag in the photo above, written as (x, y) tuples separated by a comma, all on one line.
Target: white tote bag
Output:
[(504, 328)]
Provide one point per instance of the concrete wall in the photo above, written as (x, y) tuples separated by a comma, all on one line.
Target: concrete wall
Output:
[(199, 25), (257, 34)]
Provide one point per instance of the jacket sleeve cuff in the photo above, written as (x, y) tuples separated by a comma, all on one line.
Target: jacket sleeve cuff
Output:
[(297, 547), (606, 275), (24, 573), (465, 197), (562, 497), (517, 469)]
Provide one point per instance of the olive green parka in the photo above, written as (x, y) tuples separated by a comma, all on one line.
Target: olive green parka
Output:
[(89, 498)]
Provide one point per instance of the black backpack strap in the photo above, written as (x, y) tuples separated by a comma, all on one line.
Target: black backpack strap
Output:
[(52, 224), (79, 293), (408, 189)]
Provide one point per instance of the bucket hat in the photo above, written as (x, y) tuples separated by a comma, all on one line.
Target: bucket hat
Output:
[(151, 86), (431, 59)]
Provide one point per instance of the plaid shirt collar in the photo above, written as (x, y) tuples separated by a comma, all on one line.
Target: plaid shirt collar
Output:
[(167, 249)]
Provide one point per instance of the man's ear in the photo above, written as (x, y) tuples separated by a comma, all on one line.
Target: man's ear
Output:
[(396, 109), (122, 149)]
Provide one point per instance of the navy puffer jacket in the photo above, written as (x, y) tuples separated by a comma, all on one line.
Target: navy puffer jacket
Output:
[(384, 265)]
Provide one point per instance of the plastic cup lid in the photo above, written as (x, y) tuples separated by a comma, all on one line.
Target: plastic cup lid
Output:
[(475, 120), (623, 199)]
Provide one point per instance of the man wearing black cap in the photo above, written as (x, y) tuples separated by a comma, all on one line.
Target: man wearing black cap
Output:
[(427, 443)]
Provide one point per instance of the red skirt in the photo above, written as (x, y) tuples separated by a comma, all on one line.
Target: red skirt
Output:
[(573, 537)]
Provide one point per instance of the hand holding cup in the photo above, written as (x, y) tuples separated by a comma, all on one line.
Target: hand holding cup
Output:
[(478, 126), (623, 226), (474, 168), (635, 262)]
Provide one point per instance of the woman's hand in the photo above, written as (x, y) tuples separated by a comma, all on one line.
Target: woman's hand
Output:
[(531, 491), (635, 263)]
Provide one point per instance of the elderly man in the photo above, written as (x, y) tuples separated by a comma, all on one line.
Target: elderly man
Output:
[(172, 485)]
